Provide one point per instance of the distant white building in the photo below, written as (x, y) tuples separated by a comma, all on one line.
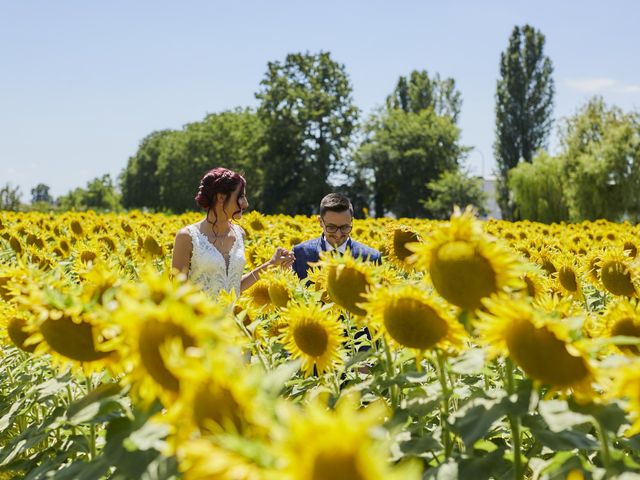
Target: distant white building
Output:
[(491, 205)]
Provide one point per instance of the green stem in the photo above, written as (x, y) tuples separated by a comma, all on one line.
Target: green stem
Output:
[(444, 409), (258, 350), (395, 403), (352, 340), (514, 421), (92, 427), (336, 383), (604, 445)]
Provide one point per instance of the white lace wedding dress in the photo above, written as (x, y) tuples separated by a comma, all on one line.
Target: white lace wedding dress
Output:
[(210, 269)]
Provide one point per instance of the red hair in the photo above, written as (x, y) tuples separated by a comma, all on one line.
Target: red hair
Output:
[(219, 180)]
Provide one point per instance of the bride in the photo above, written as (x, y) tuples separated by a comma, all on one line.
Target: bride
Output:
[(211, 252)]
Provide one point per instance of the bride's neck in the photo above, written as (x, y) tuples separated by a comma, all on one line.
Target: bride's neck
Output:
[(220, 227)]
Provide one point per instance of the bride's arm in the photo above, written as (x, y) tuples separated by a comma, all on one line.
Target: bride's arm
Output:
[(254, 275), (282, 258), (182, 252)]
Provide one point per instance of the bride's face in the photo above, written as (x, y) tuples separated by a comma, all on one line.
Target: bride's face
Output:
[(237, 203)]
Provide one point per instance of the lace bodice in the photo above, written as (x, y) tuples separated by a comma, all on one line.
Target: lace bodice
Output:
[(208, 266)]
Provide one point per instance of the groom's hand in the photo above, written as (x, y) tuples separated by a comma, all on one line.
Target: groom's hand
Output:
[(283, 258)]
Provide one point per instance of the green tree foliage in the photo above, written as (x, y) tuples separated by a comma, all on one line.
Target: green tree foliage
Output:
[(100, 194), (139, 181), (230, 139), (40, 194), (308, 114), (10, 197), (73, 200), (538, 189), (405, 151), (165, 171), (454, 187), (419, 92), (524, 104), (601, 150)]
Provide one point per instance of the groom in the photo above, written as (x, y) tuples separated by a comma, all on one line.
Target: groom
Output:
[(336, 221)]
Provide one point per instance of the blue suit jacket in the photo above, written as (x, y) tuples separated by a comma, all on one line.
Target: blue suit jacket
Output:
[(309, 252)]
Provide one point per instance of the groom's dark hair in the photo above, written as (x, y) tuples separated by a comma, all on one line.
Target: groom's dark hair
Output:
[(335, 202)]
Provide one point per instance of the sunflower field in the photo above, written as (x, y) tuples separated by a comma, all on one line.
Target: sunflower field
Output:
[(476, 350)]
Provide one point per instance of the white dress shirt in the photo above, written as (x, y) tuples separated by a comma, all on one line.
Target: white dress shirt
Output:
[(341, 248)]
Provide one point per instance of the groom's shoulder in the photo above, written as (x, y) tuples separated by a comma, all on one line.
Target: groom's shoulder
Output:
[(311, 244), (364, 250), (361, 246)]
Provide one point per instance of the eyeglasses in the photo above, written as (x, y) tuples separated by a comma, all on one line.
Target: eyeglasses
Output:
[(334, 228)]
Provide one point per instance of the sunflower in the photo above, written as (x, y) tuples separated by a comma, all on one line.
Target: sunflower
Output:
[(466, 265), (312, 336), (622, 318), (99, 282), (544, 258), (72, 333), (281, 285), (12, 327), (18, 326), (630, 245), (347, 280), (559, 307), (627, 385), (338, 445), (183, 320), (591, 266), (218, 395), (567, 276), (410, 317), (258, 295), (318, 283), (618, 275), (398, 237), (151, 247), (537, 343), (535, 282), (200, 459)]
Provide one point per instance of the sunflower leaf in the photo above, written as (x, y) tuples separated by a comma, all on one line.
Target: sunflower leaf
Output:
[(473, 421), (565, 440), (558, 417), (469, 362)]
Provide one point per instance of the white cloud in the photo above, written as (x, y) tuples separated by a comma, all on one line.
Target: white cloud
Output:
[(628, 89), (591, 85), (601, 85)]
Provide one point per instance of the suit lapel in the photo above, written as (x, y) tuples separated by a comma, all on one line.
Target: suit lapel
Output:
[(322, 246)]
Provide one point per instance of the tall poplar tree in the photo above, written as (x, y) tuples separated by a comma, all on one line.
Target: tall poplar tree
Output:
[(524, 104), (308, 114)]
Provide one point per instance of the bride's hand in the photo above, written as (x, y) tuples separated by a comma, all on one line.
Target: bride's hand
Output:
[(282, 258)]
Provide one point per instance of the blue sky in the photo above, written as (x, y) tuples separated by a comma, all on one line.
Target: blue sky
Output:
[(82, 82)]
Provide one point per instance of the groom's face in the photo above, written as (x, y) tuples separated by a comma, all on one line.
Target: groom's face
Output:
[(330, 220)]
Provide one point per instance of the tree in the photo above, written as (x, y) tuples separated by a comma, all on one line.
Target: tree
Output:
[(308, 115), (10, 197), (419, 92), (165, 171), (601, 153), (524, 104), (405, 151), (538, 189), (139, 181), (101, 194), (454, 187), (40, 194), (230, 139), (73, 200)]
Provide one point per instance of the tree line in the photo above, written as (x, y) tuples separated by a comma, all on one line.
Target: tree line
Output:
[(306, 138)]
